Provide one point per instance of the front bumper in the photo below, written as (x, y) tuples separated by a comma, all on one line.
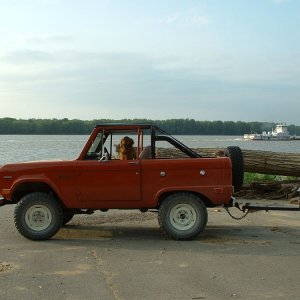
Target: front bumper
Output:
[(2, 201)]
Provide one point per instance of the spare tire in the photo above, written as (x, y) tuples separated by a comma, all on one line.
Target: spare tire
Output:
[(237, 161)]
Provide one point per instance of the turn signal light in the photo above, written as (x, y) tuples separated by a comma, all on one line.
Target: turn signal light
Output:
[(5, 192)]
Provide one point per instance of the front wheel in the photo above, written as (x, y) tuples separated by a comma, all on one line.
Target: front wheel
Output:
[(38, 216), (182, 216)]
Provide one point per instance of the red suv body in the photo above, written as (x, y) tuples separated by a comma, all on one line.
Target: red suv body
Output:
[(49, 193)]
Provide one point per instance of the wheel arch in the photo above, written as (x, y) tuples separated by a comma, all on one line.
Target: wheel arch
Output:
[(163, 196), (24, 188)]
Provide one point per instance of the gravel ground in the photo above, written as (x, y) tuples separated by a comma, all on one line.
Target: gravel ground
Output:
[(123, 255)]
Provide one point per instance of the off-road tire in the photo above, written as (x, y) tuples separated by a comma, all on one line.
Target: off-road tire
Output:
[(38, 216), (182, 216), (237, 161)]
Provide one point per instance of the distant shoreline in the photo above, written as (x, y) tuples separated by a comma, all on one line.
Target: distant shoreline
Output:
[(172, 126)]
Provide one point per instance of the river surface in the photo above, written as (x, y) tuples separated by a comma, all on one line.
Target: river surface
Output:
[(17, 148)]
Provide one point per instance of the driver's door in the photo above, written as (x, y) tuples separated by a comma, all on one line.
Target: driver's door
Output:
[(109, 181), (112, 180)]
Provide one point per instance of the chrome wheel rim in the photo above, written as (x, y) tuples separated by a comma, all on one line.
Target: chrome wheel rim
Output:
[(38, 217), (183, 216)]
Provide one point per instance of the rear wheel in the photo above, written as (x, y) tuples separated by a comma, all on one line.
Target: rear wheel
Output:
[(38, 216), (182, 216)]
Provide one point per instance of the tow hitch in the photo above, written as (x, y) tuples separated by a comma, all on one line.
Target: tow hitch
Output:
[(247, 207)]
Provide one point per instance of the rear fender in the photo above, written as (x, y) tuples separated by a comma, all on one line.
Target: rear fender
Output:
[(162, 194)]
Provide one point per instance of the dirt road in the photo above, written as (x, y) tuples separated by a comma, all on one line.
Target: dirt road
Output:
[(122, 255)]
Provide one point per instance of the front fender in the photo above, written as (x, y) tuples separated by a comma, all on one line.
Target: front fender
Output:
[(22, 181)]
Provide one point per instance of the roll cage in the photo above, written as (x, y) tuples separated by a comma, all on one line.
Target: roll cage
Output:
[(95, 148)]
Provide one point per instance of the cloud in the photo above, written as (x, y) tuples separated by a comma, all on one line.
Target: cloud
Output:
[(125, 67), (197, 20), (47, 2), (47, 39), (191, 17), (126, 85), (280, 1), (172, 18), (26, 57)]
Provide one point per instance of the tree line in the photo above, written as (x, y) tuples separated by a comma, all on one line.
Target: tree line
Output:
[(172, 126)]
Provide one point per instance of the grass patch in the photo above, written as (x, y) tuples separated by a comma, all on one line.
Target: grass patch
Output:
[(250, 177)]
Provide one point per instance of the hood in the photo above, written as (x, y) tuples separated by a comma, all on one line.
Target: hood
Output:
[(32, 165)]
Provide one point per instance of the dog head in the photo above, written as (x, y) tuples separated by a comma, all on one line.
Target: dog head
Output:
[(126, 142)]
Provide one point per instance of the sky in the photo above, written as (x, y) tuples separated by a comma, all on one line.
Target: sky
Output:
[(236, 60)]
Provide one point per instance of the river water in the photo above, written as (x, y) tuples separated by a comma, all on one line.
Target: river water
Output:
[(17, 148)]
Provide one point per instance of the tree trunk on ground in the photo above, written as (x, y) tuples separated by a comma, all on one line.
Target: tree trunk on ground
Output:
[(275, 163), (264, 162)]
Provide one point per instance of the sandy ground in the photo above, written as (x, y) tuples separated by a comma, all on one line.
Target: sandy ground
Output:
[(122, 255)]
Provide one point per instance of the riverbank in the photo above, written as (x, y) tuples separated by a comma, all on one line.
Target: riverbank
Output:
[(272, 190), (173, 126)]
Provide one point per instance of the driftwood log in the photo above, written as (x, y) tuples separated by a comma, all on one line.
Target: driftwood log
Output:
[(263, 162)]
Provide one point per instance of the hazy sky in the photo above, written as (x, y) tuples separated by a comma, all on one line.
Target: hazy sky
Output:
[(158, 59)]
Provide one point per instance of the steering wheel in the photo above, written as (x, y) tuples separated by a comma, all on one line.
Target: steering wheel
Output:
[(106, 154)]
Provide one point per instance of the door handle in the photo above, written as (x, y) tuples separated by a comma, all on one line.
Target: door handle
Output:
[(133, 163)]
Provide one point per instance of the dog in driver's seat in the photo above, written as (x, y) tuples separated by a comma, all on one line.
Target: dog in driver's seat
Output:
[(125, 149)]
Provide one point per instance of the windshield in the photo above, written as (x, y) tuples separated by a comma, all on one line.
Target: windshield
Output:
[(96, 147)]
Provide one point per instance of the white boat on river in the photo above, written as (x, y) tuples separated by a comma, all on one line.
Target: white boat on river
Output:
[(280, 133)]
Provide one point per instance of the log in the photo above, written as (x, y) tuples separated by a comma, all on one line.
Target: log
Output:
[(263, 162), (274, 163)]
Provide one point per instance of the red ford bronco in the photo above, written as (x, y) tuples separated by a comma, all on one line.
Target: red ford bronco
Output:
[(48, 194)]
